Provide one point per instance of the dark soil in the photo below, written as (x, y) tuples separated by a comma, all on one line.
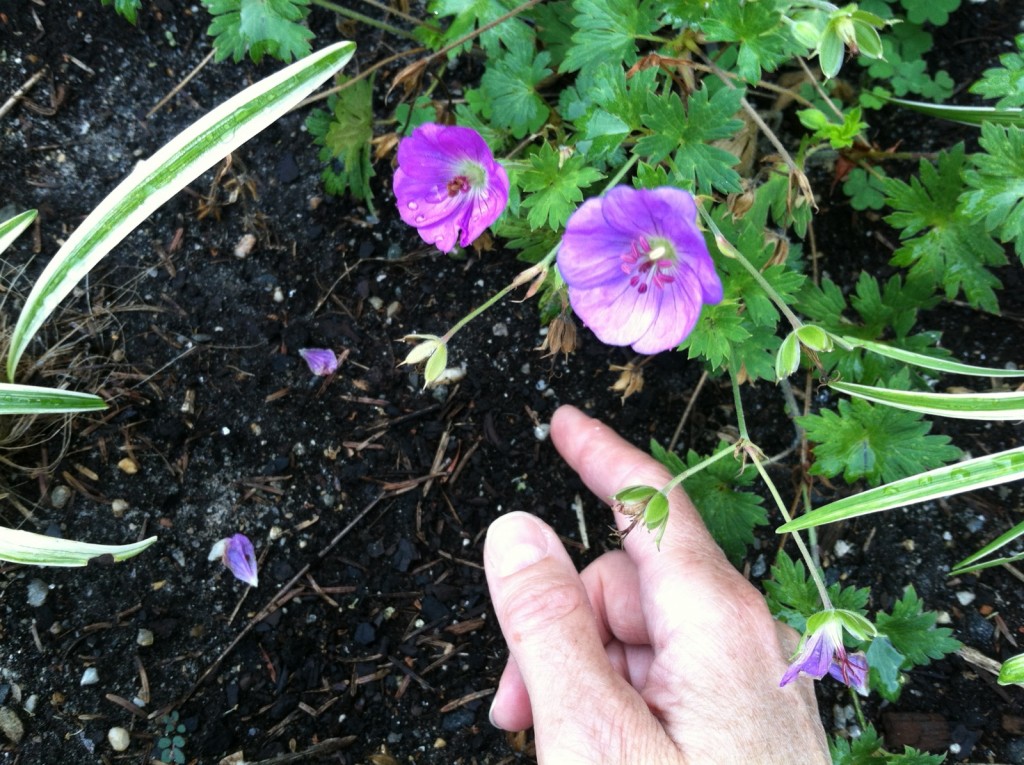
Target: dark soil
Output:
[(366, 496)]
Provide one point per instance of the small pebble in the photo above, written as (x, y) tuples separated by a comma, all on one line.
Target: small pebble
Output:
[(59, 496), (500, 330), (965, 597), (37, 592), (760, 566), (90, 677), (119, 507), (118, 738), (144, 637), (31, 703), (842, 547), (128, 466), (11, 726), (541, 431)]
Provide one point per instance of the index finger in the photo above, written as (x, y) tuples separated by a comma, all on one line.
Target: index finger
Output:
[(607, 463)]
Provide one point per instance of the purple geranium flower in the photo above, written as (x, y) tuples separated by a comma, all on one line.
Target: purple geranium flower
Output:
[(823, 652), (448, 181), (637, 267), (321, 361), (239, 556)]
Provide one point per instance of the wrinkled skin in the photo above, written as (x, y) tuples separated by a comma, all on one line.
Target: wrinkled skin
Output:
[(646, 656)]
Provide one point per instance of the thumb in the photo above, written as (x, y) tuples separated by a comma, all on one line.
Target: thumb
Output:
[(581, 707)]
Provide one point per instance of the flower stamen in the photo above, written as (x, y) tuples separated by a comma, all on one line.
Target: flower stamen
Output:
[(458, 185), (648, 265)]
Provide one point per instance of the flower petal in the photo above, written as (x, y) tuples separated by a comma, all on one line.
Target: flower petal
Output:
[(321, 361), (240, 558)]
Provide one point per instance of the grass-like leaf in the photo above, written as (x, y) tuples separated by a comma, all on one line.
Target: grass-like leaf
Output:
[(970, 563), (964, 406), (11, 228), (40, 550), (927, 362), (31, 399), (970, 475), (160, 177), (965, 115)]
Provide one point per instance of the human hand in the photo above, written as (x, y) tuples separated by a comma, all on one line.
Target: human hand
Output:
[(646, 656)]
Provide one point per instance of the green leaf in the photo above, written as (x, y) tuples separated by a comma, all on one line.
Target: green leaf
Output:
[(793, 595), (344, 131), (717, 330), (913, 632), (157, 179), (969, 475), (929, 362), (39, 550), (127, 9), (470, 15), (839, 135), (930, 11), (869, 749), (30, 399), (758, 28), (686, 134), (999, 405), (510, 84), (997, 180), (607, 32), (11, 228), (965, 115), (876, 443), (729, 512), (969, 564), (551, 20), (1012, 671), (259, 27), (1005, 82), (556, 184), (942, 244), (885, 662)]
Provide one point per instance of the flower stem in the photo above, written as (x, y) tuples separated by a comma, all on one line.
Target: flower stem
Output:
[(703, 464), (731, 252), (543, 263), (755, 454), (363, 19)]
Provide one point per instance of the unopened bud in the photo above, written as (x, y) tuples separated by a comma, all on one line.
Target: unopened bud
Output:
[(434, 351)]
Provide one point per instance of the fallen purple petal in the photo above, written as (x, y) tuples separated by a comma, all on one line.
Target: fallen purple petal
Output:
[(448, 184), (321, 361), (237, 553), (637, 267)]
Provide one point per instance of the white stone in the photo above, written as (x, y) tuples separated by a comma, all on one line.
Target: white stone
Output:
[(965, 597), (119, 739)]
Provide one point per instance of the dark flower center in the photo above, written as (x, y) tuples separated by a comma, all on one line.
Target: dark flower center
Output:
[(458, 185), (649, 265)]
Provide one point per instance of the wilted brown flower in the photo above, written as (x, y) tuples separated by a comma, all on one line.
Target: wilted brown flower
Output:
[(631, 379), (561, 336)]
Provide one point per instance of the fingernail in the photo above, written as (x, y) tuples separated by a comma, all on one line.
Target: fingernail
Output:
[(490, 712), (516, 541)]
